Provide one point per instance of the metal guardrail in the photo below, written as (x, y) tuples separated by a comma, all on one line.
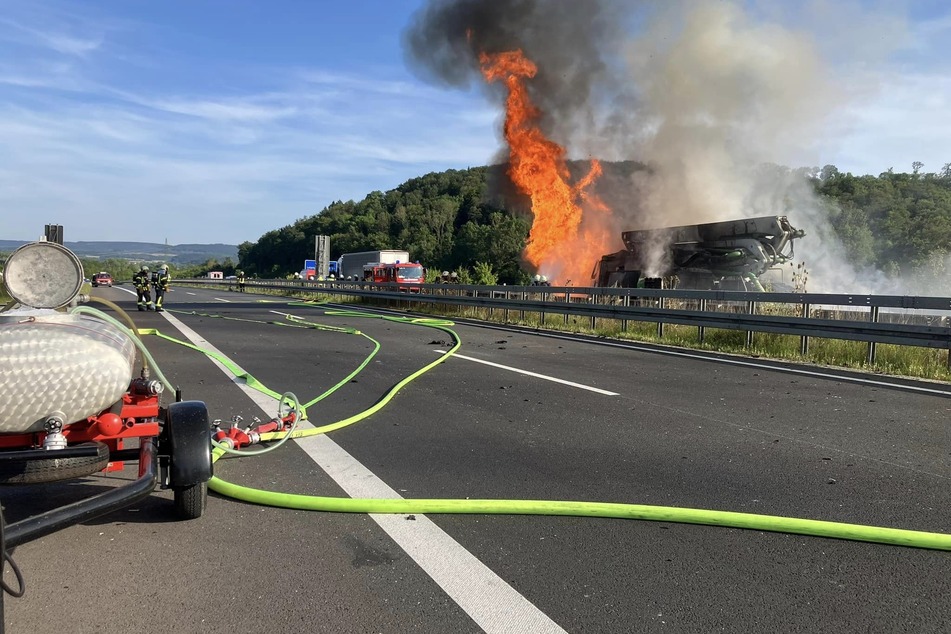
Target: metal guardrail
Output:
[(868, 318)]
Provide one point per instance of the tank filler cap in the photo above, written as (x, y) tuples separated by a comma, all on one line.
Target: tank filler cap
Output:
[(43, 275)]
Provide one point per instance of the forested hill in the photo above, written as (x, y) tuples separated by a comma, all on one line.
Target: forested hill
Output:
[(895, 222)]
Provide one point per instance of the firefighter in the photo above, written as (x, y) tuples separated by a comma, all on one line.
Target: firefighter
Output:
[(142, 289), (241, 281), (160, 281)]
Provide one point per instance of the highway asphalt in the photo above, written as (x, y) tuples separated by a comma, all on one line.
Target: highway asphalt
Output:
[(515, 415)]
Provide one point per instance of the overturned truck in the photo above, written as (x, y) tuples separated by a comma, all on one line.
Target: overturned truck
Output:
[(728, 255)]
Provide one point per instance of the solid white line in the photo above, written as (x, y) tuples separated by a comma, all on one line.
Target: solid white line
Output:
[(534, 374), (487, 598), (765, 366), (491, 602), (738, 362)]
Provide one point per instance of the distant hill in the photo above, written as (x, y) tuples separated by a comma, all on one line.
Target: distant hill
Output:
[(144, 251)]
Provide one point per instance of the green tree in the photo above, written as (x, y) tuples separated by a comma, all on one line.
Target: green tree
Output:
[(484, 275)]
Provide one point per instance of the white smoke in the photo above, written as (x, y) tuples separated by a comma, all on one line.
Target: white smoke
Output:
[(702, 92), (718, 93)]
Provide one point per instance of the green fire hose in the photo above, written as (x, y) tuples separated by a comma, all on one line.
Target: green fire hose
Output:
[(751, 521)]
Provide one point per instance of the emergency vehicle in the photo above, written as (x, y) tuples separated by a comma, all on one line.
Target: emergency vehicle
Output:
[(402, 273)]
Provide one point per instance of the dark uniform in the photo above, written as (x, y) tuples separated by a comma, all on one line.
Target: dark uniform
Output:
[(160, 281), (241, 281), (142, 289)]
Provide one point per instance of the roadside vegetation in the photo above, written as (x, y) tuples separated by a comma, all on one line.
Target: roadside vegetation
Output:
[(907, 361)]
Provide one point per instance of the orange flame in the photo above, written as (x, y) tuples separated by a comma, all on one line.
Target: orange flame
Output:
[(563, 243)]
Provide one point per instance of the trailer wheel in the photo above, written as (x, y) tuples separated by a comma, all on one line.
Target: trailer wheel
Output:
[(186, 440), (190, 501), (53, 469)]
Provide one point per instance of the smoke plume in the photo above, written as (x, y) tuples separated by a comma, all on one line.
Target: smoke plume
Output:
[(701, 93)]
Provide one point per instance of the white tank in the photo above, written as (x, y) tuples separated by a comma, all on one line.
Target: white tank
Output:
[(58, 362)]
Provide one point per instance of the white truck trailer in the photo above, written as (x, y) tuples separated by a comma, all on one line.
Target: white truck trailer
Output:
[(351, 264)]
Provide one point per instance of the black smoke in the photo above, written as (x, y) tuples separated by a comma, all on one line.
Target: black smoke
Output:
[(571, 42)]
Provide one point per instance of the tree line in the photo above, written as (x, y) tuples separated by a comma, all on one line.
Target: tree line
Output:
[(458, 220)]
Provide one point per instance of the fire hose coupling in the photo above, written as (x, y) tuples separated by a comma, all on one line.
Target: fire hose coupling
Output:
[(146, 387), (236, 437), (55, 439)]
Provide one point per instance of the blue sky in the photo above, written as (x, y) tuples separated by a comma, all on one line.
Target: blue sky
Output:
[(216, 121)]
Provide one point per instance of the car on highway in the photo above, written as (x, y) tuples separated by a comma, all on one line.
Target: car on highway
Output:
[(102, 279)]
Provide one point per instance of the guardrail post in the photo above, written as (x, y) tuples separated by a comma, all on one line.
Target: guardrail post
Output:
[(593, 299), (750, 309), (626, 302), (521, 313), (702, 330), (567, 301), (660, 324), (873, 317), (804, 340)]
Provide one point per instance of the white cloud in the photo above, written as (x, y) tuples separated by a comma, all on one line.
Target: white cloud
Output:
[(904, 122), (54, 40), (111, 164)]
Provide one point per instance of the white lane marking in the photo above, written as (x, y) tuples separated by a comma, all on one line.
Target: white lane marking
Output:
[(190, 293), (764, 366), (703, 357), (487, 598), (222, 299), (534, 374)]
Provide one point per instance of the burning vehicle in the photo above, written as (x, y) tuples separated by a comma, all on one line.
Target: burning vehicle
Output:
[(729, 255)]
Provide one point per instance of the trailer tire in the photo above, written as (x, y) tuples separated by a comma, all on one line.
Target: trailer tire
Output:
[(190, 501), (53, 469)]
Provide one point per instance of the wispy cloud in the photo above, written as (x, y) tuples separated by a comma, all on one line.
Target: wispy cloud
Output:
[(253, 161), (60, 42)]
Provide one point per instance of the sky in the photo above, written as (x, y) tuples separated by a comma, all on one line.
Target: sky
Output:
[(202, 121)]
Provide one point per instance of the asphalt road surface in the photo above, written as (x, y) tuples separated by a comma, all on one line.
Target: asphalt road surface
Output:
[(513, 416)]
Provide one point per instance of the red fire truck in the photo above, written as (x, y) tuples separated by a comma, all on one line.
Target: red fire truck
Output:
[(402, 273)]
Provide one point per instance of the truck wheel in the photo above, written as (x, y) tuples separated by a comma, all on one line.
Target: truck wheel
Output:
[(190, 501), (53, 469)]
